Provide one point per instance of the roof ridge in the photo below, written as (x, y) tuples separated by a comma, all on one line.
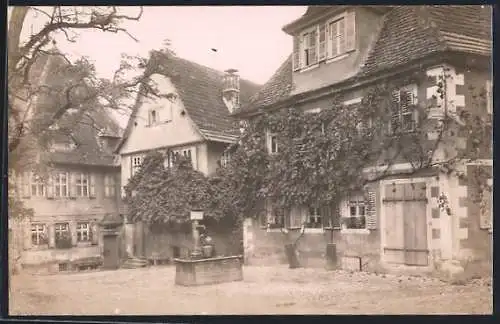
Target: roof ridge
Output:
[(210, 69)]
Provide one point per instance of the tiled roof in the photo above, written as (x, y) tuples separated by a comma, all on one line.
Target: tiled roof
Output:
[(277, 88), (415, 32), (200, 89), (409, 33), (84, 125)]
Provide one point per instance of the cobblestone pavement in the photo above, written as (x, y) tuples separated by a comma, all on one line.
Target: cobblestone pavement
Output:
[(265, 290)]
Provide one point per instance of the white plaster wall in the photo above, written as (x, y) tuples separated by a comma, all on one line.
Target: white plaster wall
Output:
[(179, 130)]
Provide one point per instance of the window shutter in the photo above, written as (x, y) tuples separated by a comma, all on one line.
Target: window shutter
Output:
[(296, 53), (92, 185), (350, 31), (50, 186), (333, 39), (371, 209), (326, 216), (27, 236), (94, 232), (26, 184), (341, 36), (486, 211), (489, 99), (51, 234), (313, 47), (72, 184), (322, 42)]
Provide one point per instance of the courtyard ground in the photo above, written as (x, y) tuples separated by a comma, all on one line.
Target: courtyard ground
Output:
[(265, 290)]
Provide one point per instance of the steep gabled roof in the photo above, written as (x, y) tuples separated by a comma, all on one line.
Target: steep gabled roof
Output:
[(277, 88), (200, 89), (409, 33), (79, 126)]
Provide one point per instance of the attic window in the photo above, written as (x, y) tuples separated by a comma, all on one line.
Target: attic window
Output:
[(329, 40), (153, 117)]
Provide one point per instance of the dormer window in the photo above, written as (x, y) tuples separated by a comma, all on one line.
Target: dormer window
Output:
[(336, 37), (310, 48), (328, 41)]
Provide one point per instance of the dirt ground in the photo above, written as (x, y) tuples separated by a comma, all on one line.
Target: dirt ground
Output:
[(265, 290)]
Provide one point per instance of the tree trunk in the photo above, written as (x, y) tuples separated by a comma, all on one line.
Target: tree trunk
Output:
[(14, 35)]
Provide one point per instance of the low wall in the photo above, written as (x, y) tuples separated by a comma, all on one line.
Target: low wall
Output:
[(268, 247), (48, 260), (208, 271), (167, 245)]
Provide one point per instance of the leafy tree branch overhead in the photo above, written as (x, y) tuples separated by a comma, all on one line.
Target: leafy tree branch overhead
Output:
[(79, 88)]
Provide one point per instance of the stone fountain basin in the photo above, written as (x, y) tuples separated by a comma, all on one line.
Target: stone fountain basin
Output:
[(208, 271)]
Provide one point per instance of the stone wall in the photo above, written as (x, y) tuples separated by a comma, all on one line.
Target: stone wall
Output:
[(168, 245), (267, 247)]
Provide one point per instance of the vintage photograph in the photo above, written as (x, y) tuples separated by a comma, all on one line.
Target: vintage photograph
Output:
[(250, 160)]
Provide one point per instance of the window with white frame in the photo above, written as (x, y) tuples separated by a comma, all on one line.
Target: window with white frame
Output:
[(272, 143), (109, 185), (355, 215), (403, 112), (152, 117), (310, 47), (82, 184), (39, 234), (136, 163), (83, 232), (61, 184), (272, 217), (336, 37), (314, 219), (187, 154), (225, 158), (37, 185), (327, 40), (61, 232)]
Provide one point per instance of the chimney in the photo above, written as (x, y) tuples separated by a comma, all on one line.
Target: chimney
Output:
[(231, 90)]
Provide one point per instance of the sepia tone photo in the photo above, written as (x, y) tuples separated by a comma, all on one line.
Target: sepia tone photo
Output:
[(196, 160)]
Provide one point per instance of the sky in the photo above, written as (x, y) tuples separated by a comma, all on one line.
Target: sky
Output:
[(248, 38)]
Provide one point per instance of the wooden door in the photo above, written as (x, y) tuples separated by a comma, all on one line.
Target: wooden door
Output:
[(406, 224)]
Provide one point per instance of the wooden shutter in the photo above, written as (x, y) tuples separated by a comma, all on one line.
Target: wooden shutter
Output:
[(350, 31), (50, 186), (27, 235), (341, 36), (92, 180), (313, 47), (296, 53), (94, 232), (72, 177), (26, 189), (332, 32), (322, 42), (51, 234), (485, 211), (371, 209)]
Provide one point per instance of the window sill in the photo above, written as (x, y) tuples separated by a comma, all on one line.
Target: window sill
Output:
[(332, 228), (314, 230), (39, 247), (309, 68), (354, 231), (158, 123), (338, 57), (83, 244)]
